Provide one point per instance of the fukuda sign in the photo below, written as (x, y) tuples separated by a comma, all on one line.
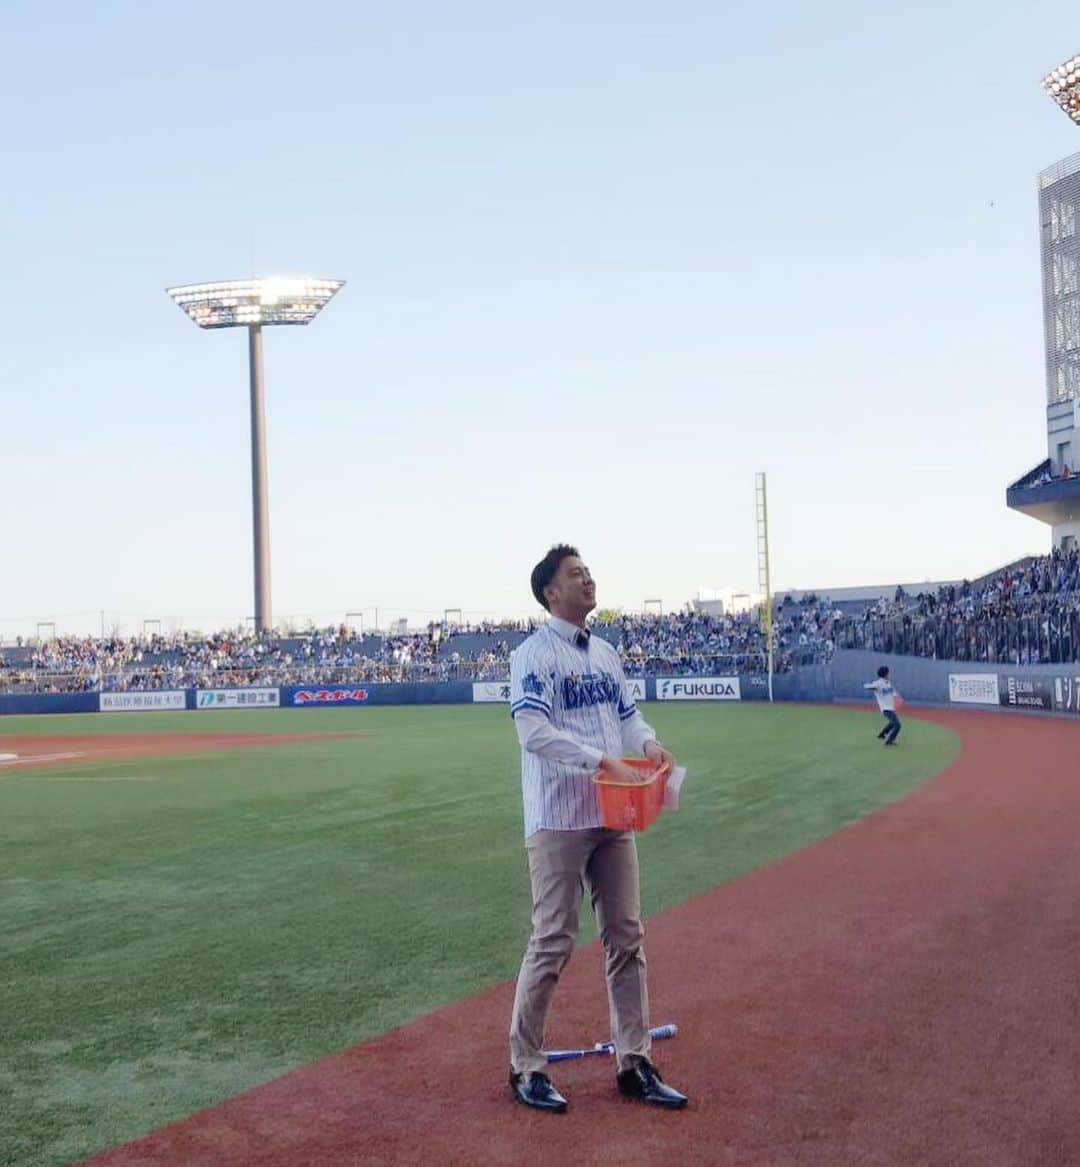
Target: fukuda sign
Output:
[(698, 689)]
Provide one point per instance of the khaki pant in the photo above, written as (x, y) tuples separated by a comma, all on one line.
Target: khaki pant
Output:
[(561, 865)]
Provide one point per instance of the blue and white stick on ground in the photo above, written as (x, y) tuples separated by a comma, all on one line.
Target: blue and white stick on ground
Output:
[(606, 1047)]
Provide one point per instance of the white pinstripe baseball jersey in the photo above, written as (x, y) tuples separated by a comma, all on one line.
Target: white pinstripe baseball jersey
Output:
[(570, 707)]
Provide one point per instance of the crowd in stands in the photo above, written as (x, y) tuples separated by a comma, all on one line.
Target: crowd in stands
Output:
[(1045, 474), (694, 642), (1026, 614), (685, 642)]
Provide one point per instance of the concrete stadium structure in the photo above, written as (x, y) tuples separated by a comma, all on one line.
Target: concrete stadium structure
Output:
[(1050, 491)]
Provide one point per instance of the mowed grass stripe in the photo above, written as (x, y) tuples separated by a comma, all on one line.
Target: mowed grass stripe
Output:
[(167, 944)]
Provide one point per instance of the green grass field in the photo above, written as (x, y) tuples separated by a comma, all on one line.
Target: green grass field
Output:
[(175, 931)]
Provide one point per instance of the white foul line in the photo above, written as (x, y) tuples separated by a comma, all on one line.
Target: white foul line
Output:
[(29, 760)]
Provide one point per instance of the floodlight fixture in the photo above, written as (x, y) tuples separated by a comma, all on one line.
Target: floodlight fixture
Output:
[(250, 304), (274, 300), (1063, 86)]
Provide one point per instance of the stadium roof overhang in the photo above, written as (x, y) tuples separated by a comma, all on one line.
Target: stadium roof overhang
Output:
[(1056, 501)]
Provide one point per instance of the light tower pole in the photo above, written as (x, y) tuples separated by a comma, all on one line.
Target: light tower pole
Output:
[(764, 581), (251, 304), (260, 504)]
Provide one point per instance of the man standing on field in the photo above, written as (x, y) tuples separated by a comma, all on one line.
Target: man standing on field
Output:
[(574, 716)]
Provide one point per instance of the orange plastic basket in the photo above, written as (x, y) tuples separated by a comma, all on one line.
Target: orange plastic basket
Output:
[(632, 806)]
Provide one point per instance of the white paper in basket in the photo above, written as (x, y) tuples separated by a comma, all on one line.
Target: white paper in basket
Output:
[(671, 790)]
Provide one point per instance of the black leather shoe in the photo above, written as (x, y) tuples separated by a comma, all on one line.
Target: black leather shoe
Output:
[(644, 1083), (536, 1090)]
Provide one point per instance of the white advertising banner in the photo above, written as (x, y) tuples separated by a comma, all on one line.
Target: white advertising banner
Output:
[(973, 688), (237, 698), (698, 689), (484, 691), (141, 702)]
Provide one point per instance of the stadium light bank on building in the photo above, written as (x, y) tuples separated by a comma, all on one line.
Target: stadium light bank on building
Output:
[(1050, 491), (250, 304)]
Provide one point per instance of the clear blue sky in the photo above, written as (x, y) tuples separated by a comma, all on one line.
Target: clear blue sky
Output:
[(604, 262)]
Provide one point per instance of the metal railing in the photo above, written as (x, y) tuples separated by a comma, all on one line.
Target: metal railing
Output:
[(1021, 640)]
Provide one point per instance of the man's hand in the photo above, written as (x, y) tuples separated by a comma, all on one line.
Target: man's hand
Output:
[(656, 754)]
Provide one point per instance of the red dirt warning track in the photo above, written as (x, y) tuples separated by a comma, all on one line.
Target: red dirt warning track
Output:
[(21, 752), (905, 992)]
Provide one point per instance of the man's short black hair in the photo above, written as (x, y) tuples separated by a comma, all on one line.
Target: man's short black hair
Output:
[(544, 572), (883, 671)]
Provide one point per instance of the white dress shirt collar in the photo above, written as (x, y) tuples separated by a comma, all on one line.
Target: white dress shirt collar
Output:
[(566, 630)]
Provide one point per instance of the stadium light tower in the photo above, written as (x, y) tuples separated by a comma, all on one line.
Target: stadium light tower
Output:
[(1050, 491), (250, 304), (1063, 86)]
